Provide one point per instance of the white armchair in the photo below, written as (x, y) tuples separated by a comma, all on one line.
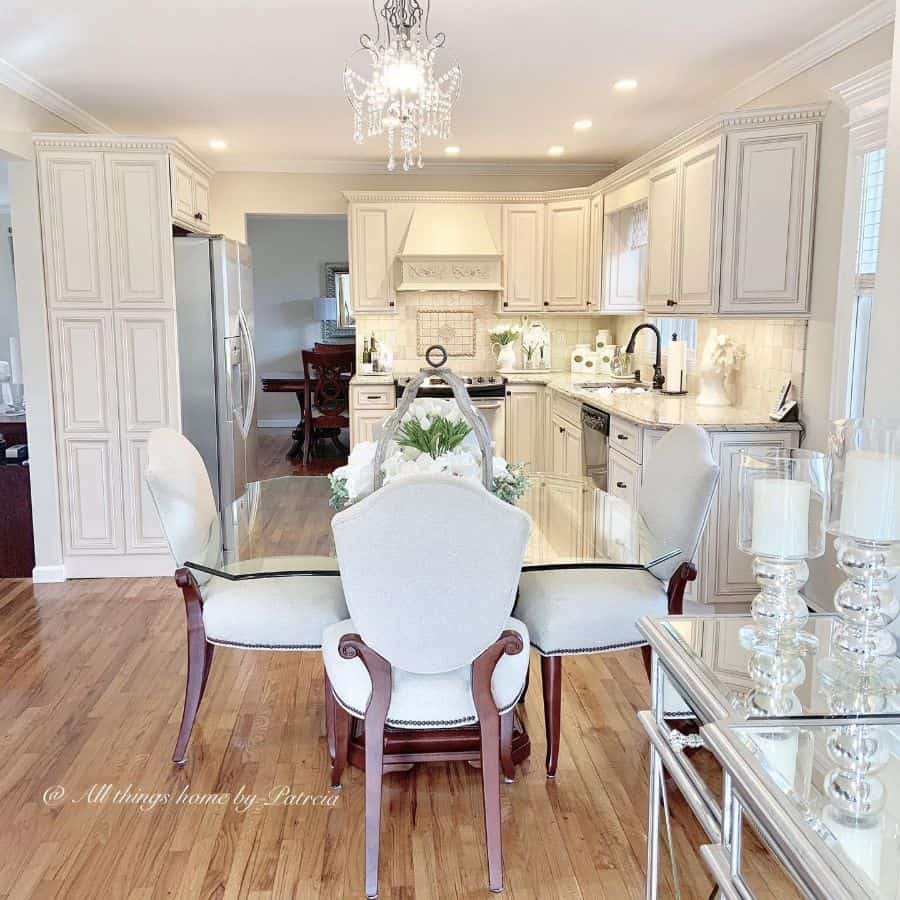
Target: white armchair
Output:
[(430, 566), (596, 611), (264, 614)]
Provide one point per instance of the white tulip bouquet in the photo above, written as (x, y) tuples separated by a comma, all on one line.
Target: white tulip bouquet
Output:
[(433, 437)]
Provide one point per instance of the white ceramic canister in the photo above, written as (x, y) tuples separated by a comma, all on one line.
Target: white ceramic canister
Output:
[(605, 358), (579, 355), (603, 339)]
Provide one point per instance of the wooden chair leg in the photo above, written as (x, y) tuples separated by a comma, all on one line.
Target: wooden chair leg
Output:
[(329, 718), (646, 655), (207, 665), (379, 669), (510, 642), (199, 660), (307, 440), (506, 735), (551, 678), (341, 744)]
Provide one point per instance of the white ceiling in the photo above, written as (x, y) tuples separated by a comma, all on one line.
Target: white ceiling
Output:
[(266, 75)]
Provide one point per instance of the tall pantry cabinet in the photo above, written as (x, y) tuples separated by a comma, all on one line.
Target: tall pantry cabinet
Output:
[(108, 205)]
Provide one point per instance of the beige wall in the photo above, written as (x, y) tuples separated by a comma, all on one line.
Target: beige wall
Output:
[(235, 194)]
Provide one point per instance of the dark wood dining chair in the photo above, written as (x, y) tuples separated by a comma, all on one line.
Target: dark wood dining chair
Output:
[(319, 347), (326, 396)]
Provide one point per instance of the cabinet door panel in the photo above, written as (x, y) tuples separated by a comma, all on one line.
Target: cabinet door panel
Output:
[(73, 214), (662, 236), (147, 366), (141, 237), (523, 425), (698, 246), (143, 529), (594, 296), (84, 373), (201, 202), (523, 249), (561, 518), (624, 478), (182, 191), (363, 424), (624, 276), (565, 271), (574, 452), (770, 190), (92, 496), (370, 280), (558, 445)]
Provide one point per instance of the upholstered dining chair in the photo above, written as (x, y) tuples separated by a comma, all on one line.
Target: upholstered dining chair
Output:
[(582, 611), (430, 566), (265, 614), (326, 395)]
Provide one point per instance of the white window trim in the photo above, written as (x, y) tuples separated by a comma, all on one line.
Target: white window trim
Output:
[(867, 97)]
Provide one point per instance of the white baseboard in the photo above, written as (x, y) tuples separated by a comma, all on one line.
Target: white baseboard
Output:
[(149, 565), (48, 574), (277, 423)]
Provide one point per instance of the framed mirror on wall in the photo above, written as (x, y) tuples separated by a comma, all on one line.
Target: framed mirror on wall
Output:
[(340, 323)]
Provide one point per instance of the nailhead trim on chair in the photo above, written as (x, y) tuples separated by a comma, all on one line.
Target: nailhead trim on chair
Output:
[(575, 651), (221, 643), (424, 723)]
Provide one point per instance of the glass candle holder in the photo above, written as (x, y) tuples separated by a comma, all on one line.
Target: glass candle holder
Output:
[(784, 498), (865, 518)]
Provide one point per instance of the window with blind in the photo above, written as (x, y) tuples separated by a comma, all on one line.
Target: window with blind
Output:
[(686, 329), (871, 199)]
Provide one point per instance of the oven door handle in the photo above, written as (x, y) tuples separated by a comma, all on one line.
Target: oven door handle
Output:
[(486, 404)]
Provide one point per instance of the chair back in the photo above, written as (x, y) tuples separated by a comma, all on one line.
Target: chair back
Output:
[(430, 565), (676, 494), (319, 347), (327, 389), (180, 487)]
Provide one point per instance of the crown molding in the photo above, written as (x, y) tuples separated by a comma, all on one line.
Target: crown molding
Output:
[(868, 20), (431, 167), (122, 143), (873, 85), (48, 99), (413, 196)]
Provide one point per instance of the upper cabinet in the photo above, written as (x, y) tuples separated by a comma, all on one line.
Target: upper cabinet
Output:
[(190, 195), (566, 254), (769, 219), (376, 234), (684, 229), (523, 257)]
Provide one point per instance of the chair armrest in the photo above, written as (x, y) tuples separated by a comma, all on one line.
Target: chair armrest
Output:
[(193, 600), (352, 646), (508, 644), (686, 572)]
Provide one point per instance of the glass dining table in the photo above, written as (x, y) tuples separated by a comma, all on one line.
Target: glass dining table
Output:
[(281, 527)]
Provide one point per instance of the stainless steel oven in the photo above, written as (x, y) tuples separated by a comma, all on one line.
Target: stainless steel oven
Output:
[(595, 444)]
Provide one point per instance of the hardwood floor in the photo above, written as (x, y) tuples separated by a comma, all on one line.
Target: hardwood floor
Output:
[(274, 444), (91, 688)]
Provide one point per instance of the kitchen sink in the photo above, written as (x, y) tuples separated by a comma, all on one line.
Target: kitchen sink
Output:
[(612, 387)]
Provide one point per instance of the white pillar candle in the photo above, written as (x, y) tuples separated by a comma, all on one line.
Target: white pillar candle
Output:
[(780, 751), (15, 362), (861, 844), (870, 506), (780, 517)]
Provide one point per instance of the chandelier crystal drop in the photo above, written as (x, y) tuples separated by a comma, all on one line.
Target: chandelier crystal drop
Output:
[(403, 97)]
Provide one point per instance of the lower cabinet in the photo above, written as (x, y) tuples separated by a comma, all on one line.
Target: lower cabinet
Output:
[(524, 412), (624, 477), (565, 438), (369, 407)]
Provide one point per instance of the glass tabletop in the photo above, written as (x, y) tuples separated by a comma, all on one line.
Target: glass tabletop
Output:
[(838, 782), (718, 676), (282, 526)]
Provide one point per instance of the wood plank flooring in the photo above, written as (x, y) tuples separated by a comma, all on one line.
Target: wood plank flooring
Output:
[(91, 687)]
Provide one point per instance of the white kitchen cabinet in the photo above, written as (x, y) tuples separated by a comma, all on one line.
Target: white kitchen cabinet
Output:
[(624, 477), (371, 259), (567, 454), (75, 229), (596, 236), (140, 232), (523, 257), (561, 517), (92, 499), (769, 219), (566, 252), (143, 529), (370, 405), (624, 281), (684, 229), (363, 423), (190, 195), (524, 410)]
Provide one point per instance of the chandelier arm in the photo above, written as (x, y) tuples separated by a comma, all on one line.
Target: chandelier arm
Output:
[(377, 23), (427, 17)]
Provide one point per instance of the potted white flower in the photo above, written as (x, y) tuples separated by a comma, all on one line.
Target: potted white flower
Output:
[(503, 336), (433, 437), (721, 358)]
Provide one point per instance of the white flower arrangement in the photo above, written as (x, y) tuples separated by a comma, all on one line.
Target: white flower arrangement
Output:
[(505, 334), (533, 339), (726, 356), (433, 437)]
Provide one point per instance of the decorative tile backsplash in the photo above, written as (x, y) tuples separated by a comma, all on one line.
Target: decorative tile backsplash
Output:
[(400, 330)]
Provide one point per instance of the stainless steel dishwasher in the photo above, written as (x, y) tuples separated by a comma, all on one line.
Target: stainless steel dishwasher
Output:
[(595, 443)]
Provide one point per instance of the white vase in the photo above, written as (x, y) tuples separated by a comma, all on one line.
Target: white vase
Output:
[(506, 358), (712, 389)]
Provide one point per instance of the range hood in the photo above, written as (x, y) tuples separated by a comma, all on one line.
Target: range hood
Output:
[(448, 247)]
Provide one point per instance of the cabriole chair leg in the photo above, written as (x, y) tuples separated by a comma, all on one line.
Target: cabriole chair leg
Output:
[(551, 678)]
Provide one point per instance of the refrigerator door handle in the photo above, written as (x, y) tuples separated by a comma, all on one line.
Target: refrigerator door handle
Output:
[(250, 404)]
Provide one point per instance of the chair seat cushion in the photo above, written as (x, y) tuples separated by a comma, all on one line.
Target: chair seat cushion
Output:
[(441, 700), (587, 610), (287, 613)]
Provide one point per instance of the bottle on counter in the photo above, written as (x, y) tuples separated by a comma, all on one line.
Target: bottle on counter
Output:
[(366, 354), (373, 353)]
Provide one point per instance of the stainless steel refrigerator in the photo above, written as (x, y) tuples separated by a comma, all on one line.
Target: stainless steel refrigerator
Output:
[(214, 308)]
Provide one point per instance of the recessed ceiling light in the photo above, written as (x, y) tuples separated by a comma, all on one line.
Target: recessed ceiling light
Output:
[(556, 150), (218, 144), (452, 151), (582, 124), (625, 84)]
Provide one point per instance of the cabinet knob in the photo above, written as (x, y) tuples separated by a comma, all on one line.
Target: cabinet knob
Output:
[(546, 303), (622, 437), (562, 430), (621, 485), (390, 302), (198, 216), (506, 303), (671, 303)]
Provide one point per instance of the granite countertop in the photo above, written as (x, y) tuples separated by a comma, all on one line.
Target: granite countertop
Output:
[(654, 410), (368, 380)]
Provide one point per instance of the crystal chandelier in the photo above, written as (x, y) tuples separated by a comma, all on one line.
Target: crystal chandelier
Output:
[(403, 97)]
